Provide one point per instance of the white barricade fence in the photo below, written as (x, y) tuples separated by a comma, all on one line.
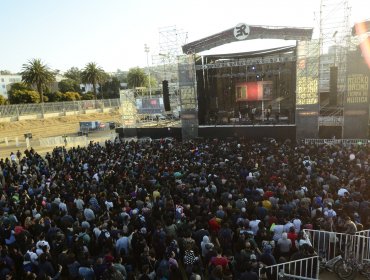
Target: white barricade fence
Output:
[(365, 233), (51, 141), (344, 142), (76, 141), (330, 244), (306, 269), (62, 141)]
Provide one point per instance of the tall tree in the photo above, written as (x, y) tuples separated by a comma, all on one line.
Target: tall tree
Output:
[(37, 74), (3, 100), (72, 96), (121, 75), (111, 88), (93, 74), (68, 85), (74, 74), (136, 77), (21, 93)]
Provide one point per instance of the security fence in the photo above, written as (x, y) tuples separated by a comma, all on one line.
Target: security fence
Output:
[(63, 141), (56, 107), (304, 269), (330, 244), (344, 142)]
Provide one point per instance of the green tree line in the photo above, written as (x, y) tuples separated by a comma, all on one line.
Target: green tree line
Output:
[(38, 80)]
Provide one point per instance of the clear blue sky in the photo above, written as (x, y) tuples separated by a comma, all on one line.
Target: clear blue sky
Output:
[(112, 33)]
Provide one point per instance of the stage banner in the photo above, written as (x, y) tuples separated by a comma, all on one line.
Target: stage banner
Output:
[(356, 101), (149, 105), (188, 97), (253, 91), (307, 87)]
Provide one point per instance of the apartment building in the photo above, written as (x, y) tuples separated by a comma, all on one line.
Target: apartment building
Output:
[(6, 81)]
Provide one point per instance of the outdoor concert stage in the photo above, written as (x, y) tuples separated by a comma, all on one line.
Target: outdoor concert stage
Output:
[(315, 92), (240, 94), (250, 87), (284, 92)]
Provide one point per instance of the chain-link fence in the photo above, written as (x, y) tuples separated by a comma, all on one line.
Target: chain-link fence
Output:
[(56, 107)]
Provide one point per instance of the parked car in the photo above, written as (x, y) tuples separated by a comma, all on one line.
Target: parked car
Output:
[(159, 117), (86, 127), (112, 125)]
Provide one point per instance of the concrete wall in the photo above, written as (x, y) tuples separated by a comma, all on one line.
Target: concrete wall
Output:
[(30, 117)]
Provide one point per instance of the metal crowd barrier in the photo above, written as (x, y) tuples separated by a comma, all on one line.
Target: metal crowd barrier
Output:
[(344, 142), (61, 141), (331, 244), (365, 233), (305, 269)]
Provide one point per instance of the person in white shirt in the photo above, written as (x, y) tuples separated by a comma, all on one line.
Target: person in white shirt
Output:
[(79, 203), (253, 225), (13, 157), (63, 207), (287, 226), (329, 212), (96, 177), (122, 243), (278, 231), (40, 244), (342, 191), (297, 224), (89, 214)]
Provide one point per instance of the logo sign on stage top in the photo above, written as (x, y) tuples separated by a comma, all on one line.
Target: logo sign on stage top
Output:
[(241, 31)]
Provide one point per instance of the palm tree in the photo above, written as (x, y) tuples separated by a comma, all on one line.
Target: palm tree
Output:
[(92, 74), (37, 74), (136, 77)]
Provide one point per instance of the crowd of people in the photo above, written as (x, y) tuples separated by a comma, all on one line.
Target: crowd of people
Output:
[(202, 209)]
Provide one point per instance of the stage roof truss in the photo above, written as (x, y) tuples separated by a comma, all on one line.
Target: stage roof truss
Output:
[(255, 32), (219, 62)]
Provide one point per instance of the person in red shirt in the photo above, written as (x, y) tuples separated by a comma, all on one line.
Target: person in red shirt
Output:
[(292, 235), (214, 225), (219, 260)]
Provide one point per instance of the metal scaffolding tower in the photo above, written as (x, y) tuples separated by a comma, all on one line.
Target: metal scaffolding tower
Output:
[(335, 40), (170, 41)]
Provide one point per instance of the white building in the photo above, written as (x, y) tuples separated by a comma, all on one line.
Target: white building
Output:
[(6, 81), (85, 88)]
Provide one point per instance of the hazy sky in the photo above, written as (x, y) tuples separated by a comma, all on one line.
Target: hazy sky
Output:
[(112, 33)]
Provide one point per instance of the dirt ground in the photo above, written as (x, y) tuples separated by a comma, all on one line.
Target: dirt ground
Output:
[(66, 125), (59, 126)]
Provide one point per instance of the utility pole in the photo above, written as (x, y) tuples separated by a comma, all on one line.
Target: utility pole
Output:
[(146, 49)]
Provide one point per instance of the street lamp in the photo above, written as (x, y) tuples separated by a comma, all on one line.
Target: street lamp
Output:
[(146, 49)]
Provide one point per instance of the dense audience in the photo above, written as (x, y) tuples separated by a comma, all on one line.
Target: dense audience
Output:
[(203, 209)]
